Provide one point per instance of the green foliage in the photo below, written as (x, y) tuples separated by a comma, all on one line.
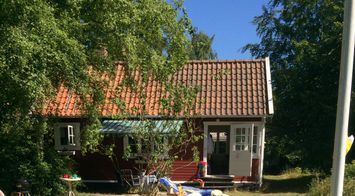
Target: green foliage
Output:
[(25, 154), (178, 98), (350, 170), (196, 153), (158, 149), (303, 40), (201, 46), (293, 171), (46, 43), (321, 186)]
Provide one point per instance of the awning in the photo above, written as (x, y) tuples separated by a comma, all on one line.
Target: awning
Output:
[(130, 126)]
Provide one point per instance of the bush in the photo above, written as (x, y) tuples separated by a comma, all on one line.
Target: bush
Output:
[(321, 186), (350, 170), (26, 152)]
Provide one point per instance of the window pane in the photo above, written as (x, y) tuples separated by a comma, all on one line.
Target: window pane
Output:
[(63, 135), (214, 136), (145, 147), (71, 136), (254, 148), (238, 147), (241, 147), (238, 139), (238, 131), (133, 145), (255, 135), (255, 131), (255, 140), (222, 136)]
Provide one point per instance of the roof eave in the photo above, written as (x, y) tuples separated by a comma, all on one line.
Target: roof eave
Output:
[(176, 117)]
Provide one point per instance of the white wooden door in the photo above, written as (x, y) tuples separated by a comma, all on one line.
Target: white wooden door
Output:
[(240, 150)]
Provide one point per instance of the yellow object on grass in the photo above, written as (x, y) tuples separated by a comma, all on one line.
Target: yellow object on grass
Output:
[(349, 142), (180, 191)]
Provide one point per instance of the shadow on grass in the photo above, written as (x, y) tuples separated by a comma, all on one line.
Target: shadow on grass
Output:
[(107, 188), (299, 184)]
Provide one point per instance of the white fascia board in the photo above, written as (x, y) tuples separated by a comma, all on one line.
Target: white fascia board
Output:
[(269, 85)]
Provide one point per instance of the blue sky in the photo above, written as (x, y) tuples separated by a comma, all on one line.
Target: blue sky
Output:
[(229, 20)]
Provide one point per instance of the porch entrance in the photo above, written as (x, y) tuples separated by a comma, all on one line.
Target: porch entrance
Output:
[(219, 159), (233, 148)]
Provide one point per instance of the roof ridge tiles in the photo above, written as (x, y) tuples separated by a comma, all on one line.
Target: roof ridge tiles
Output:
[(212, 61), (226, 60)]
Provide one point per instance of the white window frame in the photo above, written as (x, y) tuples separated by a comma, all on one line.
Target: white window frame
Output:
[(135, 155), (73, 136), (244, 142)]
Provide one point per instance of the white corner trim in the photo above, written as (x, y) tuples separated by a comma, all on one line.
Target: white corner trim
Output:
[(268, 85), (261, 165)]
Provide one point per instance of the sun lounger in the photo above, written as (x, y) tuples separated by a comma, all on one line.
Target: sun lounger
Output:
[(188, 190)]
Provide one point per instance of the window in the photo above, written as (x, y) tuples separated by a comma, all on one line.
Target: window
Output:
[(222, 143), (219, 139), (67, 136), (139, 149), (136, 148), (242, 139), (244, 143), (133, 144), (256, 141)]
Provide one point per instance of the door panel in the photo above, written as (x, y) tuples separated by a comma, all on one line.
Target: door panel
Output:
[(240, 154)]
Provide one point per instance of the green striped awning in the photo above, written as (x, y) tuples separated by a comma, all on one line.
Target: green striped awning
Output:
[(130, 126)]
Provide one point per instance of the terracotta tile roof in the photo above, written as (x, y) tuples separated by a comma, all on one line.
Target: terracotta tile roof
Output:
[(229, 88)]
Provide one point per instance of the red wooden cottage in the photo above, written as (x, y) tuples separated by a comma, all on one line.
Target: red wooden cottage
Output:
[(234, 99)]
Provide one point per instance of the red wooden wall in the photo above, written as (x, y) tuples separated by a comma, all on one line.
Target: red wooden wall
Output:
[(99, 167)]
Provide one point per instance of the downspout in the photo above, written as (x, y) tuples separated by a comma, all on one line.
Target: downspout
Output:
[(269, 112), (269, 86)]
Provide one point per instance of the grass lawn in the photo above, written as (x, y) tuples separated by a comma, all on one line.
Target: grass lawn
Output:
[(289, 183)]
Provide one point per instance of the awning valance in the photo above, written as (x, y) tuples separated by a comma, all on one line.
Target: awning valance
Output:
[(130, 126)]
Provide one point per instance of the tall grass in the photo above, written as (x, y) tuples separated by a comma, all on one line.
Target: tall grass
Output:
[(321, 186)]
